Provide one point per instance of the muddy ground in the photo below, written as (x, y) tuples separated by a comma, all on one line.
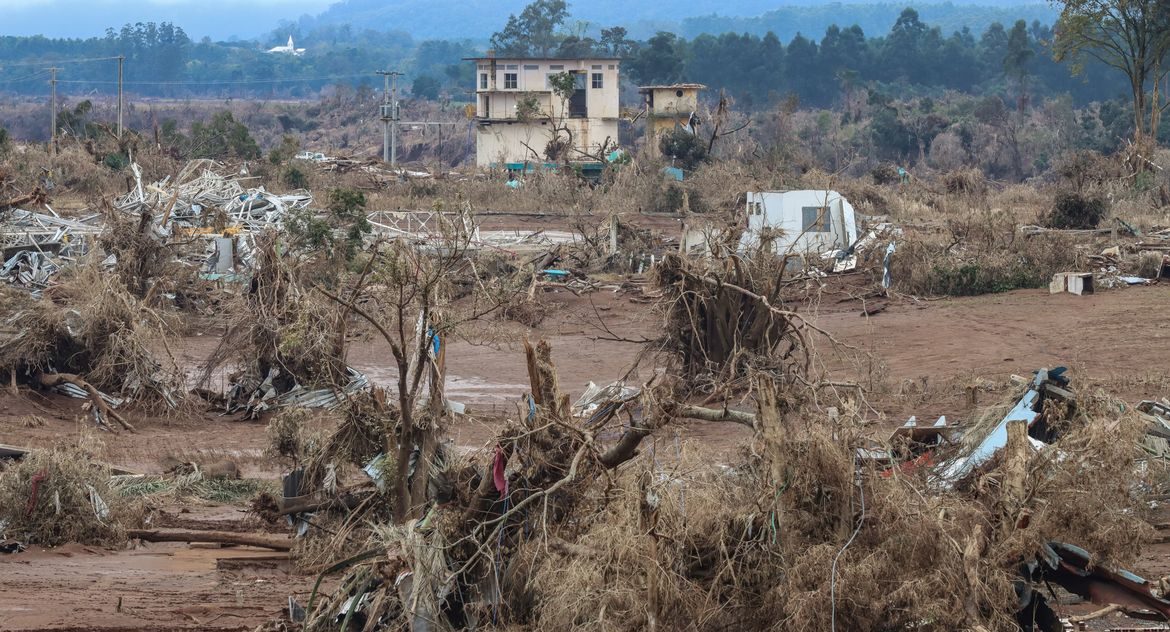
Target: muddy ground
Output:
[(923, 358)]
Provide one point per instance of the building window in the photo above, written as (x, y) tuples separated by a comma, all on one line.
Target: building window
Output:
[(598, 81), (511, 67), (557, 67), (612, 67), (509, 81), (483, 81), (596, 66), (531, 67), (816, 219)]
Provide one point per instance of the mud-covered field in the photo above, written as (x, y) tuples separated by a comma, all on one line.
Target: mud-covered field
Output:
[(923, 358)]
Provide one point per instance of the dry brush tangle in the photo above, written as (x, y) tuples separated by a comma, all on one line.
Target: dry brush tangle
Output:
[(561, 526), (90, 331)]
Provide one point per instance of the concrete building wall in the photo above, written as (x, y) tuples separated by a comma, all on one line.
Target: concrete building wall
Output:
[(502, 84), (494, 79), (681, 101), (504, 142), (660, 124), (669, 106)]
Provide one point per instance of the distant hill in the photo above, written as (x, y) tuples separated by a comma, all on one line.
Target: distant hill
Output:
[(478, 19), (874, 19)]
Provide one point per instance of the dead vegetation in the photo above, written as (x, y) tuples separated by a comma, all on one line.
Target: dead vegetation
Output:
[(280, 331), (60, 495), (575, 521), (728, 319), (90, 329), (543, 533)]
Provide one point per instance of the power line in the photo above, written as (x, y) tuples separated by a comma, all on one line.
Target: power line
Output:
[(215, 82), (36, 75), (55, 61)]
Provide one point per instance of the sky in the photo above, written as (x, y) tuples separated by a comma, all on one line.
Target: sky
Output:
[(217, 19)]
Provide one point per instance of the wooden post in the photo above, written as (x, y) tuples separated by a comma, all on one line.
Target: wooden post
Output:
[(613, 233), (1015, 468)]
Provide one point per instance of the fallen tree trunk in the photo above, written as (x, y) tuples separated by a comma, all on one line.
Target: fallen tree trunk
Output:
[(49, 380), (221, 537), (37, 195)]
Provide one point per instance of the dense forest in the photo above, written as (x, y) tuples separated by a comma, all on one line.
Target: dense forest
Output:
[(465, 18)]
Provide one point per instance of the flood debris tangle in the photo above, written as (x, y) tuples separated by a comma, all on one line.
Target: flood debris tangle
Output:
[(568, 514)]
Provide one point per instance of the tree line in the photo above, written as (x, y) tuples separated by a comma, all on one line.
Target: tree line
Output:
[(1018, 62), (161, 60)]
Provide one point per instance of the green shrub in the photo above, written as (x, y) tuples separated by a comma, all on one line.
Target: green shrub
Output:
[(294, 178), (116, 161), (1075, 210), (686, 149)]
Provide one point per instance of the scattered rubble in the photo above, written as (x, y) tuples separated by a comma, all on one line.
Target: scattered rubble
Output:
[(556, 519), (199, 198)]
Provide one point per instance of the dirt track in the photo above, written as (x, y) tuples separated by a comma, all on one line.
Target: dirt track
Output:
[(925, 354)]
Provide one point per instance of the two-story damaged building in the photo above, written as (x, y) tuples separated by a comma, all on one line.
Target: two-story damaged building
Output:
[(517, 112)]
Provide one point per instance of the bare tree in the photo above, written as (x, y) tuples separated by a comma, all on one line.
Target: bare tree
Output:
[(406, 294)]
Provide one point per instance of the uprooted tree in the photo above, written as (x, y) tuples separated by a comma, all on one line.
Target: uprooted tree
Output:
[(90, 332)]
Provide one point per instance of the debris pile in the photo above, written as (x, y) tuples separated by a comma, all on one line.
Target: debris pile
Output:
[(540, 531), (199, 199), (34, 247), (724, 317), (52, 497), (89, 337), (286, 344)]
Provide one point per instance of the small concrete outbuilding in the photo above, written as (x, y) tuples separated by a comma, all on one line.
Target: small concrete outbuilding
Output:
[(670, 106)]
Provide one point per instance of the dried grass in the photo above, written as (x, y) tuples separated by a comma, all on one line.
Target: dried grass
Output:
[(32, 421), (194, 485), (982, 253), (63, 509), (770, 545), (90, 325)]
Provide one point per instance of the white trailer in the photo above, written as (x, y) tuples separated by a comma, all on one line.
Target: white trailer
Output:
[(804, 223)]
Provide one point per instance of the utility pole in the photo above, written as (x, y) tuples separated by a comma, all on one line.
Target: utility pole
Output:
[(121, 58), (390, 116), (53, 113)]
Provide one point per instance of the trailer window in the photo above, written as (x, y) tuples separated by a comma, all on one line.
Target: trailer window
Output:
[(816, 219)]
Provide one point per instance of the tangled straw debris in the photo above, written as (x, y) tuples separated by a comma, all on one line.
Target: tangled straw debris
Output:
[(60, 495)]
